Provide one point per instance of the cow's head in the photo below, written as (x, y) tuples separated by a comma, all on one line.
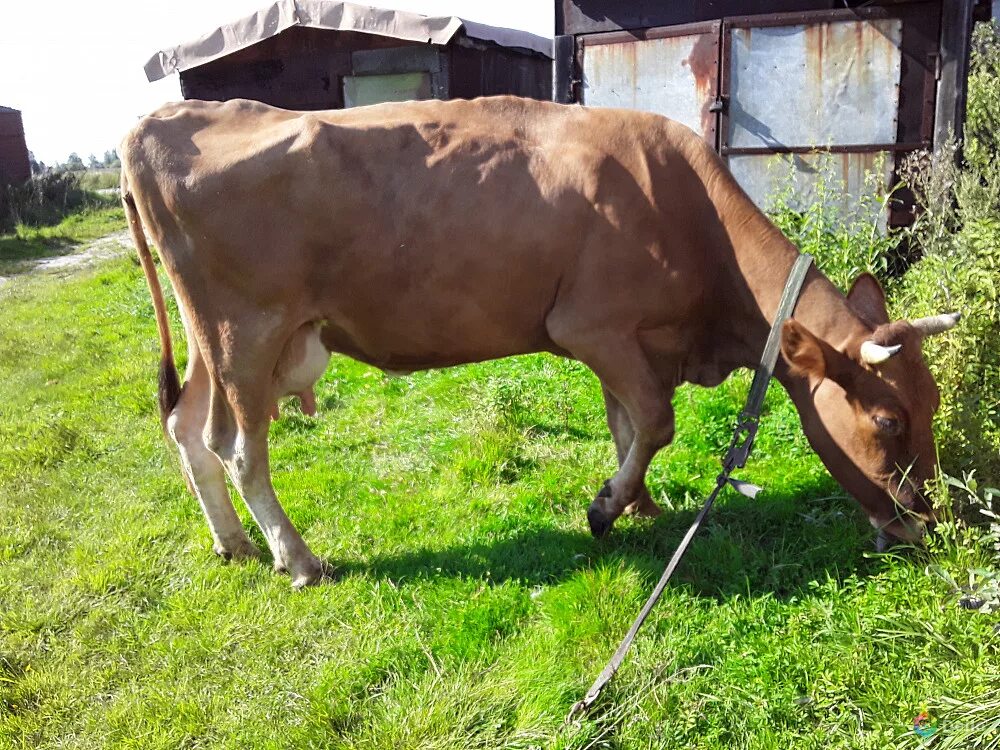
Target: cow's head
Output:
[(868, 407)]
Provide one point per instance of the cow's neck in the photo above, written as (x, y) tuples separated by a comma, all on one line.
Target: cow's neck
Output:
[(763, 260)]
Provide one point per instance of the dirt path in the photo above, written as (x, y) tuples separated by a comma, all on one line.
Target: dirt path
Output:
[(87, 254)]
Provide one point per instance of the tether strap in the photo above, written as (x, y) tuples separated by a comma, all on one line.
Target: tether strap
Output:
[(736, 457)]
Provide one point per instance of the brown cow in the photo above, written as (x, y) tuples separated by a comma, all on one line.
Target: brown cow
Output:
[(428, 234)]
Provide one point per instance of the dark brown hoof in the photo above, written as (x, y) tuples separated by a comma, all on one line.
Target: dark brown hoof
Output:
[(600, 524)]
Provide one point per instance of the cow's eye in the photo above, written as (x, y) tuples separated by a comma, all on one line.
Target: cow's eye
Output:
[(887, 425)]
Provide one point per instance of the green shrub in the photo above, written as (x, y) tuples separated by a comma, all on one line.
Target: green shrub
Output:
[(844, 233), (958, 234), (46, 199), (982, 124)]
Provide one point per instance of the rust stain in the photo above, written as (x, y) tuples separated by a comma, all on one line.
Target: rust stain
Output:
[(816, 44), (703, 63), (861, 43), (816, 48)]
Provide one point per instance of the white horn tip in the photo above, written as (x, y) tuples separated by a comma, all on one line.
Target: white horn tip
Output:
[(936, 323), (876, 354)]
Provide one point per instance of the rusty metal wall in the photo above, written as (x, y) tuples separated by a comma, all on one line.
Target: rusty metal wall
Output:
[(675, 76), (826, 85), (902, 43), (819, 84), (801, 179)]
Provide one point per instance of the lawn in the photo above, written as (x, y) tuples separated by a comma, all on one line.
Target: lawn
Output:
[(471, 606), (20, 251)]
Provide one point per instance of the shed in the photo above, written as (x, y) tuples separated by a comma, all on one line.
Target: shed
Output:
[(15, 167), (320, 54), (781, 88)]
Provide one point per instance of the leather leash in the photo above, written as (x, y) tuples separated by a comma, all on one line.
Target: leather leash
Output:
[(735, 458)]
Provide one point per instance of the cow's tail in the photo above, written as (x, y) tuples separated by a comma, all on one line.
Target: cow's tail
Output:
[(169, 390)]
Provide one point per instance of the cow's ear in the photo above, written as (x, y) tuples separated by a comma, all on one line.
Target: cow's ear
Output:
[(868, 300), (802, 350)]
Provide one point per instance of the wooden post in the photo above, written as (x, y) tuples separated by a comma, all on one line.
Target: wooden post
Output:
[(956, 35), (563, 54)]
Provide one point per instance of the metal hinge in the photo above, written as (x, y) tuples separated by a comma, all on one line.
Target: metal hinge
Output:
[(719, 105)]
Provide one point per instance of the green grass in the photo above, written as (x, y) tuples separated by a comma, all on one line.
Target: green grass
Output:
[(472, 607), (20, 250), (100, 179)]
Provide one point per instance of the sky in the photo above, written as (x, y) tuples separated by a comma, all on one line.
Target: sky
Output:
[(75, 67)]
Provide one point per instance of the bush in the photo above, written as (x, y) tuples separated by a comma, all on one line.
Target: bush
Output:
[(45, 199), (100, 179), (844, 233), (982, 124), (959, 236)]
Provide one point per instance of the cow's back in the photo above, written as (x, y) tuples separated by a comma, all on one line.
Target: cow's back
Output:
[(431, 233)]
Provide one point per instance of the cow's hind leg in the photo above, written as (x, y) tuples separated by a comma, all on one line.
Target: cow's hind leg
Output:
[(237, 433), (203, 469), (623, 434)]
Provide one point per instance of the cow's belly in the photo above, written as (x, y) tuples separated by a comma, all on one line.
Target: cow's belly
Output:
[(441, 329)]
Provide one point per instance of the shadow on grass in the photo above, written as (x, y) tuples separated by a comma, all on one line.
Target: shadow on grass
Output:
[(774, 546), (564, 431)]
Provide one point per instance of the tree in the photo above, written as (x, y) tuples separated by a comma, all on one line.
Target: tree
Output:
[(37, 167), (92, 162), (74, 162), (111, 159)]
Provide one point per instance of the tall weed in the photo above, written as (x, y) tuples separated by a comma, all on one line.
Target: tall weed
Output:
[(46, 199), (845, 233), (958, 235), (982, 123)]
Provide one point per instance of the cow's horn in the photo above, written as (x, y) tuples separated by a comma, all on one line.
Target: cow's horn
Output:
[(876, 354), (936, 323)]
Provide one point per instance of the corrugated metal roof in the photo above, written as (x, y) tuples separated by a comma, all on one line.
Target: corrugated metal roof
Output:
[(334, 16)]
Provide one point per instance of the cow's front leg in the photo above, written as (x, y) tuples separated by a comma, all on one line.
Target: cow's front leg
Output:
[(654, 428), (625, 372), (623, 434)]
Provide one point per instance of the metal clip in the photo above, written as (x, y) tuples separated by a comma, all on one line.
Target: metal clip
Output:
[(741, 444)]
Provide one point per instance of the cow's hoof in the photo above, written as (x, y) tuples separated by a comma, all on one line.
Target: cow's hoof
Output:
[(243, 549), (308, 575), (600, 524), (599, 520), (644, 507)]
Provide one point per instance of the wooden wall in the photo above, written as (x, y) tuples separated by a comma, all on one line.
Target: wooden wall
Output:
[(14, 164), (301, 68)]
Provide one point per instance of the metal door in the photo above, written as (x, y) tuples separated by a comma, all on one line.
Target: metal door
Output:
[(671, 71), (810, 97)]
